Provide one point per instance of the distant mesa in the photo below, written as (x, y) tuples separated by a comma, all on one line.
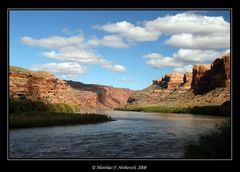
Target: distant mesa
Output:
[(174, 80), (203, 78), (207, 84)]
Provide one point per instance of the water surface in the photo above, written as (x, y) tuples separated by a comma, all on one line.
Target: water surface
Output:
[(132, 135)]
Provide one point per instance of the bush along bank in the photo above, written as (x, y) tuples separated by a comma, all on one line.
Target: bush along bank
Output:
[(213, 145), (42, 119), (222, 110), (26, 105), (28, 113)]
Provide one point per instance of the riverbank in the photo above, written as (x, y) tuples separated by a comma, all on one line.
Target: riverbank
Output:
[(222, 110), (216, 144), (43, 119)]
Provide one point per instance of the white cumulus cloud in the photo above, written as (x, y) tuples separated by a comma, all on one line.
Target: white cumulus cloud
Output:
[(183, 59), (54, 41), (186, 30), (189, 23), (186, 40), (118, 68), (157, 61), (112, 41), (74, 49), (130, 31), (70, 69), (193, 55)]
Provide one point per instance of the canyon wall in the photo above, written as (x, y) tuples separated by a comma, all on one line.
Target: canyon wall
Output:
[(46, 87), (209, 77), (106, 95)]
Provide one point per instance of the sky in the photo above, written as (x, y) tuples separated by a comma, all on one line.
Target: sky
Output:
[(119, 48)]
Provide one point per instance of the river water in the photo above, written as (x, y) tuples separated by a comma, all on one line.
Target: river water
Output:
[(132, 135)]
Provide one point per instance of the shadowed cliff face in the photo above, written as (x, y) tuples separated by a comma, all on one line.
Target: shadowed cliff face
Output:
[(209, 77), (46, 87)]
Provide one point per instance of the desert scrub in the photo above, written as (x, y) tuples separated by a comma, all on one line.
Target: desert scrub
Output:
[(216, 144), (41, 119)]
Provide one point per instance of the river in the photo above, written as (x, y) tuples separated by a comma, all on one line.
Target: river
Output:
[(131, 135)]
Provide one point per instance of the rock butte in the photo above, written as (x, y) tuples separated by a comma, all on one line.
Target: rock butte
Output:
[(204, 77), (209, 77), (191, 88)]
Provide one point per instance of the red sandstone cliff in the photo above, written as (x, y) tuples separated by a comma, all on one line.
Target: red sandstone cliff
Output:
[(208, 77), (206, 85), (175, 80), (170, 81), (199, 73), (187, 80), (106, 95), (45, 86)]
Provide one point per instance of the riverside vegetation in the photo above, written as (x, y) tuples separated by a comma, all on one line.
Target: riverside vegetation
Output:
[(222, 110), (25, 113), (216, 144)]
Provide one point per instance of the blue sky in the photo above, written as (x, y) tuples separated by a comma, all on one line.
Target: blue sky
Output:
[(120, 48)]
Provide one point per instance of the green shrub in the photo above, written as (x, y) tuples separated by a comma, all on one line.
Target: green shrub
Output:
[(26, 105), (41, 119), (203, 110), (20, 105)]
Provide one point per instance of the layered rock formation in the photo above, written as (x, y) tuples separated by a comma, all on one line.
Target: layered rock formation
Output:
[(221, 72), (208, 77), (187, 80), (208, 84), (46, 87), (174, 80), (199, 74)]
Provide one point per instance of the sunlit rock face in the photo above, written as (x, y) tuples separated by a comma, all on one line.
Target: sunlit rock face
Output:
[(46, 87), (187, 80), (170, 81)]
